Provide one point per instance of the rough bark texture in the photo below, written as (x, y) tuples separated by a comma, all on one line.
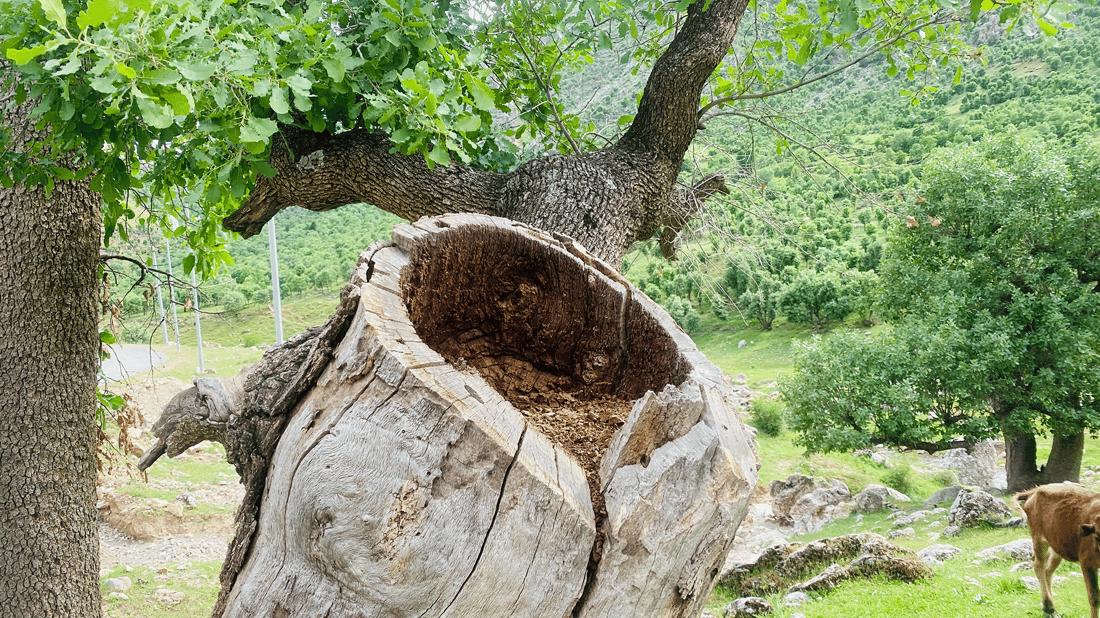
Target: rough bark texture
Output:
[(606, 200), (49, 253), (418, 477)]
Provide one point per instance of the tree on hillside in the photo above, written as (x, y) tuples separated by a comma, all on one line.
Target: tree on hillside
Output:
[(319, 104), (994, 291)]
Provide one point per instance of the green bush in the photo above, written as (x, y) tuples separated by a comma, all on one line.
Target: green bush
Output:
[(901, 479), (767, 416)]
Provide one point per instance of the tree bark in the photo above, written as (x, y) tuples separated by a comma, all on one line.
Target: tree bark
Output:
[(49, 254), (606, 199), (1063, 463), (492, 424)]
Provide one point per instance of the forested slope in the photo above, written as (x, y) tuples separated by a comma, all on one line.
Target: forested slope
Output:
[(817, 176)]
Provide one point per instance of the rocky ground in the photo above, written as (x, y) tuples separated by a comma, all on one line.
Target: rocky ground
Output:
[(163, 538)]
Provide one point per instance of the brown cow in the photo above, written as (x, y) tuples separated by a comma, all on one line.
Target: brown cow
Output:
[(1063, 517)]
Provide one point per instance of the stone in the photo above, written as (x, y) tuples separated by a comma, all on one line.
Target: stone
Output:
[(117, 584), (784, 567), (786, 492), (187, 499), (747, 606), (912, 518), (822, 505), (881, 460), (904, 532), (951, 531), (974, 466), (169, 597), (937, 554), (826, 580), (796, 599), (878, 497), (157, 503), (977, 507), (1016, 550), (946, 495), (893, 566), (117, 596), (1032, 583)]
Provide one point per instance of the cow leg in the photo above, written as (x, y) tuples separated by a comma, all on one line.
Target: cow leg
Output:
[(1090, 584), (1045, 561)]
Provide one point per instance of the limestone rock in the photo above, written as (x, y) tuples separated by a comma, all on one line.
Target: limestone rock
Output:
[(795, 599), (1020, 549), (747, 606), (782, 567), (117, 584), (786, 492), (974, 466), (905, 520), (937, 554), (826, 580), (878, 497), (169, 597), (946, 495), (973, 508), (813, 510)]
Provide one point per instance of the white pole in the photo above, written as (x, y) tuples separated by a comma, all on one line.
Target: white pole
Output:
[(198, 326), (160, 304), (276, 297), (172, 295)]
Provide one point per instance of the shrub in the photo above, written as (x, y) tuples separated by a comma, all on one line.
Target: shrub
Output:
[(901, 479), (767, 416), (683, 312)]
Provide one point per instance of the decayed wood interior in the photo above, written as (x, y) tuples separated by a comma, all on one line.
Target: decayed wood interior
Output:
[(532, 321), (570, 350)]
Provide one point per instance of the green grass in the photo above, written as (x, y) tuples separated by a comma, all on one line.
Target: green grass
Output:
[(766, 355), (235, 335), (959, 588), (198, 581)]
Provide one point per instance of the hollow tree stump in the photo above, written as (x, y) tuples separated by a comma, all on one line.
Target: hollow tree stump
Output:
[(492, 424)]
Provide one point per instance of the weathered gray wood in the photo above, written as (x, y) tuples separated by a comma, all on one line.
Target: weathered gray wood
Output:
[(398, 478)]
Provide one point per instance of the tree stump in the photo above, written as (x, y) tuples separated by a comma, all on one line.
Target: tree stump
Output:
[(499, 425)]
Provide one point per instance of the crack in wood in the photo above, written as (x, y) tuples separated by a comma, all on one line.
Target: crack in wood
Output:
[(492, 522)]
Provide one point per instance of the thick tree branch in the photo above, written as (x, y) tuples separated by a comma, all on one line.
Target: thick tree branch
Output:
[(321, 171), (685, 208), (668, 114), (922, 445)]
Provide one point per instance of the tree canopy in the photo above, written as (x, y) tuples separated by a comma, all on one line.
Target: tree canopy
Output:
[(994, 291), (180, 100)]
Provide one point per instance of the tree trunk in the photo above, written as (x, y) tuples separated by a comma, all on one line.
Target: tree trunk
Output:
[(492, 424), (1020, 466), (49, 254), (1063, 463)]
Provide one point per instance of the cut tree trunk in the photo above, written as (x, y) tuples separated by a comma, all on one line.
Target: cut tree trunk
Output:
[(496, 424)]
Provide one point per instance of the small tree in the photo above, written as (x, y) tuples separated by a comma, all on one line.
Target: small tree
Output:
[(994, 288), (813, 298), (761, 302)]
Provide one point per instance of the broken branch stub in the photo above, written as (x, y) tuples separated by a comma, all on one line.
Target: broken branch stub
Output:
[(505, 428)]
